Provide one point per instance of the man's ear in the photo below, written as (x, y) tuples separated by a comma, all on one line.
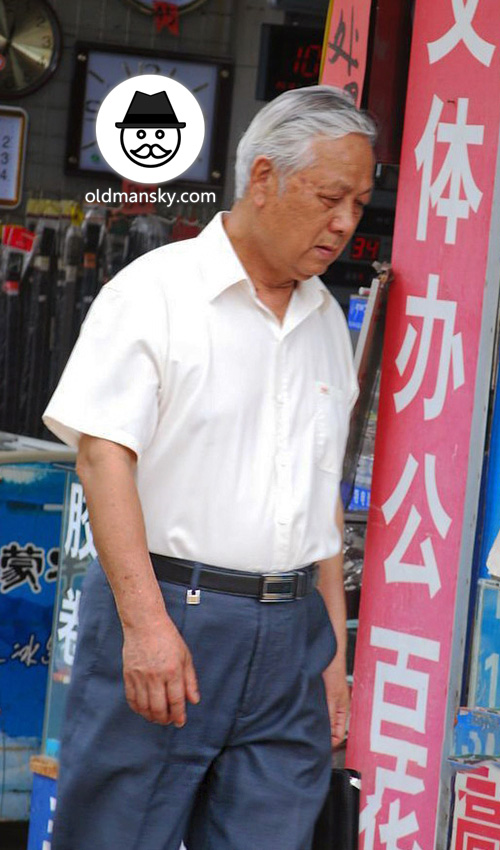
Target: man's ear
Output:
[(263, 180)]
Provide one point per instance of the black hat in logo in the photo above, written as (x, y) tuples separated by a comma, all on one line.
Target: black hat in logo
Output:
[(150, 110)]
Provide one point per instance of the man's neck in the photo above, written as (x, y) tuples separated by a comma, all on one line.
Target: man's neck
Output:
[(272, 288)]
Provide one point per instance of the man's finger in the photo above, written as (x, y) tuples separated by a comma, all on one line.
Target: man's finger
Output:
[(130, 692), (138, 699), (176, 701), (191, 682), (158, 703), (339, 726)]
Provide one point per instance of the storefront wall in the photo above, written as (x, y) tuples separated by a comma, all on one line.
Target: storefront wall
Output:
[(219, 29)]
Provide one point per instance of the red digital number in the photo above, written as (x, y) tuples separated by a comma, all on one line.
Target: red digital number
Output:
[(358, 248), (307, 61), (365, 248), (372, 248)]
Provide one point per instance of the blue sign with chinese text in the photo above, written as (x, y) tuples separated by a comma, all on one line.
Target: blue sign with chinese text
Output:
[(31, 499)]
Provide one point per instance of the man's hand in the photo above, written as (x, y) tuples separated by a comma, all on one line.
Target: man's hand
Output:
[(337, 695), (159, 674)]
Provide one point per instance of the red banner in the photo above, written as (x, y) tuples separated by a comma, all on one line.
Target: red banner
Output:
[(413, 546), (345, 47)]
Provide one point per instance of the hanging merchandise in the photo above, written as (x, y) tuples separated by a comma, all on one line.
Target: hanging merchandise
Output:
[(48, 280), (17, 243), (115, 245), (93, 230), (146, 233), (9, 339), (35, 373), (69, 271)]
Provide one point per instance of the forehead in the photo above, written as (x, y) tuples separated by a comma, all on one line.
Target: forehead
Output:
[(348, 161)]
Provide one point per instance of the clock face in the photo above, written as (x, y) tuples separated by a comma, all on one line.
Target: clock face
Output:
[(30, 46), (103, 70)]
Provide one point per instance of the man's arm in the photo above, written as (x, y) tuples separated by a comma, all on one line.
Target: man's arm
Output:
[(157, 667), (331, 587)]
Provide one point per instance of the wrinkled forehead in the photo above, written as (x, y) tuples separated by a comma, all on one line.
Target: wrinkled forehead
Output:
[(342, 161)]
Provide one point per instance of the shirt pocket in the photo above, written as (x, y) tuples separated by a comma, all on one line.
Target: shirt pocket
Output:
[(331, 425)]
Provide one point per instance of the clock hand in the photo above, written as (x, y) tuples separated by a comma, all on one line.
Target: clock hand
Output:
[(8, 37), (11, 34)]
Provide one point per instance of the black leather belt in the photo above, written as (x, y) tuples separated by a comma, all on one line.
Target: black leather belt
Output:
[(267, 587)]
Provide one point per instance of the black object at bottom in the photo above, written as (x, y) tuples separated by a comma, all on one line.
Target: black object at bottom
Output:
[(337, 827)]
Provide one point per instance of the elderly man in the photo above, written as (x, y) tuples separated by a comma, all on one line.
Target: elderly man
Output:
[(209, 397)]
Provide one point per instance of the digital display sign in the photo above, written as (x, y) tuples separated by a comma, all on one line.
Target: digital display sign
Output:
[(365, 248), (289, 58)]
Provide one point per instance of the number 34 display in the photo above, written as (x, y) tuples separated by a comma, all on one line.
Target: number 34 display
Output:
[(13, 132)]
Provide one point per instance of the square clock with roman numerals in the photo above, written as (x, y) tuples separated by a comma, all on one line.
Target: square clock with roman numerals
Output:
[(99, 68)]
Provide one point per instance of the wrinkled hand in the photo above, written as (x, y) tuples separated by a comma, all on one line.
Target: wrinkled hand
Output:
[(337, 696), (158, 673)]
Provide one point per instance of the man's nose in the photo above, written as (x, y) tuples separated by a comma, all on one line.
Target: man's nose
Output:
[(344, 218)]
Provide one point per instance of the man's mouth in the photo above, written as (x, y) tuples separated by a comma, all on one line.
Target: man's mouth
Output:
[(326, 251), (145, 151)]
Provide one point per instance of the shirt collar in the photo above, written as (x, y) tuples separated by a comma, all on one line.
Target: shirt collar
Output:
[(220, 263), (222, 268)]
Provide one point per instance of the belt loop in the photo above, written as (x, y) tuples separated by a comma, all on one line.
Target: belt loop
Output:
[(302, 583)]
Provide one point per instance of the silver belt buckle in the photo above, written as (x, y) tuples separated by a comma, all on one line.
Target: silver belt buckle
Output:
[(278, 587)]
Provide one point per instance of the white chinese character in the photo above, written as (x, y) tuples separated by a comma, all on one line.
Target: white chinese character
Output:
[(396, 568), (78, 521), (398, 827), (455, 171), (431, 309), (462, 30), (68, 628), (410, 713)]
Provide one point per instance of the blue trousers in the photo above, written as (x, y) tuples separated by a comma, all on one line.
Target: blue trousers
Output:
[(249, 770)]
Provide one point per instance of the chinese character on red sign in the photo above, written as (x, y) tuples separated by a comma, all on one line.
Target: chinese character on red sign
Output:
[(476, 823), (346, 45)]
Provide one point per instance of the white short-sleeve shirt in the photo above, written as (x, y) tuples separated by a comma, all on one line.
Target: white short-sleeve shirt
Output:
[(239, 422)]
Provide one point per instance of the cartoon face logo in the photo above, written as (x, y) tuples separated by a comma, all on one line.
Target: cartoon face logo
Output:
[(150, 132), (150, 147)]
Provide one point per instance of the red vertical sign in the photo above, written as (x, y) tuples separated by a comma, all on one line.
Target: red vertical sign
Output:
[(428, 383), (345, 47)]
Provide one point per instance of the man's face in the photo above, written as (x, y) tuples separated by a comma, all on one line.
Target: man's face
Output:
[(150, 147), (305, 227)]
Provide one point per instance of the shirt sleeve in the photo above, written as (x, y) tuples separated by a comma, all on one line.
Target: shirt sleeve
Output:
[(111, 385)]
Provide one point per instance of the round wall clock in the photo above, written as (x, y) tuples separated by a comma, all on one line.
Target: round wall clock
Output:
[(30, 46), (147, 6)]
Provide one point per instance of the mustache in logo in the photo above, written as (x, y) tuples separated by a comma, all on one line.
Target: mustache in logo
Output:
[(146, 150)]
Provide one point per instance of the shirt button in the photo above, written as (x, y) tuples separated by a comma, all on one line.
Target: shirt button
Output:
[(280, 398)]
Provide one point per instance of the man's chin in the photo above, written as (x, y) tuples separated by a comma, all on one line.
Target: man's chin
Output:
[(316, 267)]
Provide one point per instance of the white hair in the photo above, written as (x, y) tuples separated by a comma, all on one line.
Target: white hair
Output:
[(284, 129)]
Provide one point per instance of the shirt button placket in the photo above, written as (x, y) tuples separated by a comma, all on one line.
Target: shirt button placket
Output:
[(283, 516)]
